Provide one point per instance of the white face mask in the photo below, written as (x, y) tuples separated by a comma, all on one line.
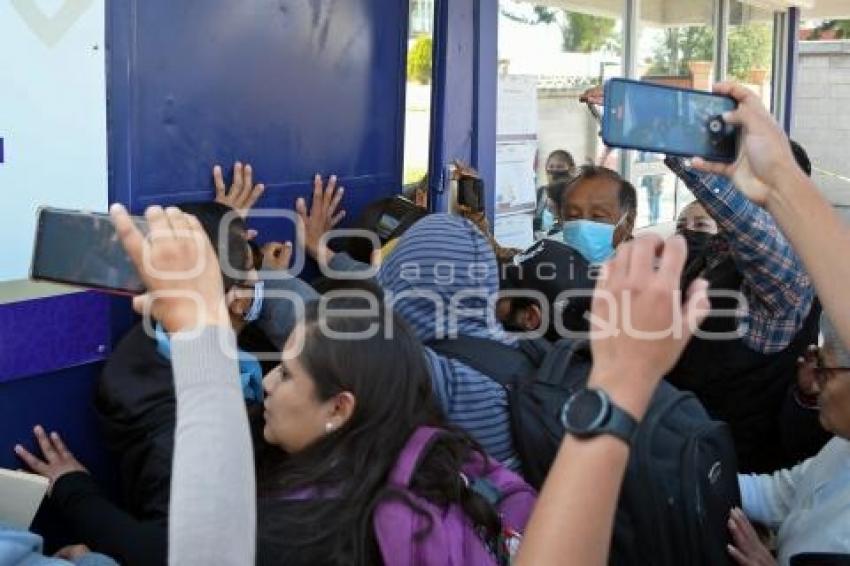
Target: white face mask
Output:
[(253, 313)]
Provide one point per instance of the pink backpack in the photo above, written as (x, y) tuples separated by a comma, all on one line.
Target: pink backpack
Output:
[(446, 537)]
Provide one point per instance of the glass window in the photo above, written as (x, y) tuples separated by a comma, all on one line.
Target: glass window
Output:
[(548, 55), (677, 48), (751, 48), (417, 127)]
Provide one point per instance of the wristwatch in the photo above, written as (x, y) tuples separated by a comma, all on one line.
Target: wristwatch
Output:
[(590, 412)]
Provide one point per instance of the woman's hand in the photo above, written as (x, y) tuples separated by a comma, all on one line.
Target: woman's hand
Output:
[(748, 549), (243, 194), (324, 213), (56, 459), (178, 266)]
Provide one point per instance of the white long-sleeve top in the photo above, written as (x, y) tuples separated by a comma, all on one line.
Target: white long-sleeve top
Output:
[(809, 504), (212, 515)]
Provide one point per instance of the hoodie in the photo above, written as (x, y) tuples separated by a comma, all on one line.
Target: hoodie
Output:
[(442, 278)]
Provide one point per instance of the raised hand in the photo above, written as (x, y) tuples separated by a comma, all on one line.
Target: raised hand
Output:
[(765, 157), (56, 460), (639, 325), (324, 213), (178, 266), (242, 194)]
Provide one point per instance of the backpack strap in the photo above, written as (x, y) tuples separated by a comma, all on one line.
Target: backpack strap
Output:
[(410, 456), (502, 363)]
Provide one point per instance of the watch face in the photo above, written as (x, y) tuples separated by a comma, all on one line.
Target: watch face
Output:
[(586, 411)]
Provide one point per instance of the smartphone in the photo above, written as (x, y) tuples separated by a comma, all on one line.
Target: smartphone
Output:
[(470, 192), (82, 248), (670, 120)]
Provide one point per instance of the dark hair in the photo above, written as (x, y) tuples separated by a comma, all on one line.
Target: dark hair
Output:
[(388, 375), (802, 158), (210, 215), (627, 194), (563, 154)]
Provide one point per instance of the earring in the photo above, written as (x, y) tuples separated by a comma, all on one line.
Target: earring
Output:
[(329, 426)]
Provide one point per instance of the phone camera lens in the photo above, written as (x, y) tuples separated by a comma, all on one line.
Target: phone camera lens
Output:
[(715, 125)]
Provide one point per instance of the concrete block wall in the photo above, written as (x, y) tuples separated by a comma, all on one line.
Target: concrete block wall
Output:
[(822, 114)]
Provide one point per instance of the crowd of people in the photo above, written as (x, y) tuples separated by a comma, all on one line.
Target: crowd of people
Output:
[(602, 397)]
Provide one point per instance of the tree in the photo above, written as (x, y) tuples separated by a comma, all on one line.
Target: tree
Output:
[(580, 33), (679, 46), (419, 60), (750, 47)]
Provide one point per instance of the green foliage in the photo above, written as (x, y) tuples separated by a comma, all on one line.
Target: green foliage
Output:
[(419, 60), (750, 47), (580, 33), (841, 26), (681, 46)]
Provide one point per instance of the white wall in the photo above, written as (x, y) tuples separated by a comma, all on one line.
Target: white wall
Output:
[(52, 117), (822, 113)]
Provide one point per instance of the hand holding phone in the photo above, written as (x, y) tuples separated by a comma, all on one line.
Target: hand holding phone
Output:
[(178, 267), (664, 119)]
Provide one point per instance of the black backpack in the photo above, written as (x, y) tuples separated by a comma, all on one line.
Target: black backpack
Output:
[(681, 481)]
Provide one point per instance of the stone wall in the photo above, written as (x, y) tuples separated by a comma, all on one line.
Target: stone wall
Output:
[(822, 114)]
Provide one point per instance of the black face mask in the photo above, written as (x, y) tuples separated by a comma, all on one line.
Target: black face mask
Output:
[(697, 242)]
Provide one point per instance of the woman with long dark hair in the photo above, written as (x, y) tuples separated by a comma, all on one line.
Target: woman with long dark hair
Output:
[(341, 412)]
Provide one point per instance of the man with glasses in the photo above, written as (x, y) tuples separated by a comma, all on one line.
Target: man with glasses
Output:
[(809, 504)]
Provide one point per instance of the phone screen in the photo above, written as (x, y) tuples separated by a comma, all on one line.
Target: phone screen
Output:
[(669, 120), (387, 224), (82, 248)]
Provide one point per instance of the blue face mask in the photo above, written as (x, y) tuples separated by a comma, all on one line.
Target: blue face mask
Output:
[(593, 240), (547, 220), (253, 313)]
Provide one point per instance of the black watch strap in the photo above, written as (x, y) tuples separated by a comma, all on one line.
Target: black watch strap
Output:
[(620, 424)]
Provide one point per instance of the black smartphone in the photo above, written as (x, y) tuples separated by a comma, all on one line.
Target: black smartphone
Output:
[(82, 248), (670, 120), (470, 192)]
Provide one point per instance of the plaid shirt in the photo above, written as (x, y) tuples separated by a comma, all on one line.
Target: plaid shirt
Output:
[(776, 285)]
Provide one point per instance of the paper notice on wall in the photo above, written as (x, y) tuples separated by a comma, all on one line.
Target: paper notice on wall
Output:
[(514, 230), (517, 109), (515, 180)]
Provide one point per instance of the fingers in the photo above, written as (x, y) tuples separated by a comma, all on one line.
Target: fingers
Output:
[(336, 200), (301, 208), (129, 234), (697, 307), (141, 304), (247, 179), (44, 443), (318, 184), (673, 259), (738, 555), (238, 184), (33, 462), (59, 444), (337, 218), (252, 197), (642, 260), (330, 190), (735, 90), (701, 164), (218, 181)]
